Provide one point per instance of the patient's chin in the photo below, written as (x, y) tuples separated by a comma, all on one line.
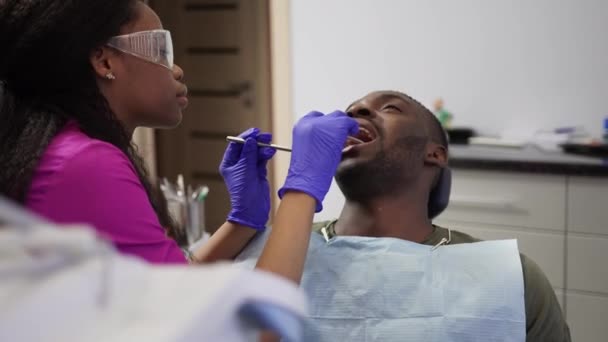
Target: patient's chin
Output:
[(360, 181), (346, 164), (386, 174)]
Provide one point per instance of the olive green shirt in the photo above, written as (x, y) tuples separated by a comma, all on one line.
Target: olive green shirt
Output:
[(544, 318)]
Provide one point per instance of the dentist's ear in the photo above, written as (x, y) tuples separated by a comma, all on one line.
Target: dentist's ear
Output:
[(436, 155), (102, 61)]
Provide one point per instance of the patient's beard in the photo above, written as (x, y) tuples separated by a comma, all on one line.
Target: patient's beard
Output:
[(387, 174)]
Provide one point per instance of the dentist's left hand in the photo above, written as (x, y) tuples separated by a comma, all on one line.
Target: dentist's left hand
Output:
[(244, 171)]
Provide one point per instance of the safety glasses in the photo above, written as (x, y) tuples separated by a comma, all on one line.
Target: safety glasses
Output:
[(154, 46)]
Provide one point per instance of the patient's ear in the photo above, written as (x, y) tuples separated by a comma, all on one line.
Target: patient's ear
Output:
[(436, 155)]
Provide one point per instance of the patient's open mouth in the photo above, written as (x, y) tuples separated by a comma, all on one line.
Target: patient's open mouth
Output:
[(362, 137)]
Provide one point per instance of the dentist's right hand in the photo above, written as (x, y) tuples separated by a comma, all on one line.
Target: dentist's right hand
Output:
[(317, 146)]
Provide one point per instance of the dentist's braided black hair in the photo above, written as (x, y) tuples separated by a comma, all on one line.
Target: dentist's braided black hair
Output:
[(46, 79)]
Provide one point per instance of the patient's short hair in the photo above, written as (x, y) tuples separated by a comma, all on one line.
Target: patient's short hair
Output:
[(433, 127)]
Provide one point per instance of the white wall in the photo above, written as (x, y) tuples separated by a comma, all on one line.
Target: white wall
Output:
[(145, 141), (499, 64)]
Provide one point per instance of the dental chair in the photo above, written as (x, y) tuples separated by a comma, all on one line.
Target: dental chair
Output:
[(440, 196)]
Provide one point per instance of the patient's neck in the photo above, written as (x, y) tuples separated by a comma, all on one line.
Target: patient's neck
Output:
[(403, 216)]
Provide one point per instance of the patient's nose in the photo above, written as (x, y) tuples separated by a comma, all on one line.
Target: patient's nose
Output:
[(360, 111)]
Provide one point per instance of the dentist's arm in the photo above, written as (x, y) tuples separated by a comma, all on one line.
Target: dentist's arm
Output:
[(225, 244), (318, 141), (317, 150), (285, 250)]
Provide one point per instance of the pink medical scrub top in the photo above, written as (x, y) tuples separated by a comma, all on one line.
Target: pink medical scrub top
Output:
[(84, 180)]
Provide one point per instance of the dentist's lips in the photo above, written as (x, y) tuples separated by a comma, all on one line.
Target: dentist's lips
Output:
[(364, 136), (182, 97)]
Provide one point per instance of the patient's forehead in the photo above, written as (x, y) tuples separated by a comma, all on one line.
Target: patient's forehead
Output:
[(383, 96)]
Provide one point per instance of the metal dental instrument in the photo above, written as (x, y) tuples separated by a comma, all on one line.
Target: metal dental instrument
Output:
[(278, 147), (242, 141)]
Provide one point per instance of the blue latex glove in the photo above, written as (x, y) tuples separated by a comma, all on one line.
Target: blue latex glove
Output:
[(244, 171), (318, 141)]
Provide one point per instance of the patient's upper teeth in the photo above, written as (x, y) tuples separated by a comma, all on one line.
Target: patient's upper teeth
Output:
[(365, 134), (351, 140)]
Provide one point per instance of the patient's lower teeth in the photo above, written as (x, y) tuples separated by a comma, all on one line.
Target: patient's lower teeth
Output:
[(347, 148)]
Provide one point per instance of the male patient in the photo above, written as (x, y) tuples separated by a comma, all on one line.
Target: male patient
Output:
[(387, 181), (407, 150)]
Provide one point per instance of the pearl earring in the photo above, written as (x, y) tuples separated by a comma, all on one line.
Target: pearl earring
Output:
[(110, 76)]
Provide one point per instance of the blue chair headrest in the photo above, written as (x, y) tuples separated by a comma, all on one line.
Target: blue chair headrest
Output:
[(440, 196)]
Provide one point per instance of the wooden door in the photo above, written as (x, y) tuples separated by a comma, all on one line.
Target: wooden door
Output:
[(223, 47)]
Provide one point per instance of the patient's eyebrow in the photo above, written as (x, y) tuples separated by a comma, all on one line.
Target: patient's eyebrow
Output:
[(391, 96)]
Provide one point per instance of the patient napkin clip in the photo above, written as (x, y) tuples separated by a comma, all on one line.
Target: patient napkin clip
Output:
[(325, 235), (443, 241)]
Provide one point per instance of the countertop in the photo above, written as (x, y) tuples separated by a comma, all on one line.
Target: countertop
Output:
[(528, 159)]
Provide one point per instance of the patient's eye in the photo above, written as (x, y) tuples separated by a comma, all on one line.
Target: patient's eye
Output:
[(392, 108)]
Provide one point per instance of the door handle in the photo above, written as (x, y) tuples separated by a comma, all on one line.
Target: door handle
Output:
[(240, 87), (245, 92)]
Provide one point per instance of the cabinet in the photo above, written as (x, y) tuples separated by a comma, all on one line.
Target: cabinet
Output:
[(558, 221)]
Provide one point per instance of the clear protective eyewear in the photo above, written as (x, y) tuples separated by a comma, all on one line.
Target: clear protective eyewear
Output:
[(154, 46)]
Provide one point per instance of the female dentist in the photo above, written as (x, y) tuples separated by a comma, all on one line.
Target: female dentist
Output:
[(77, 77)]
